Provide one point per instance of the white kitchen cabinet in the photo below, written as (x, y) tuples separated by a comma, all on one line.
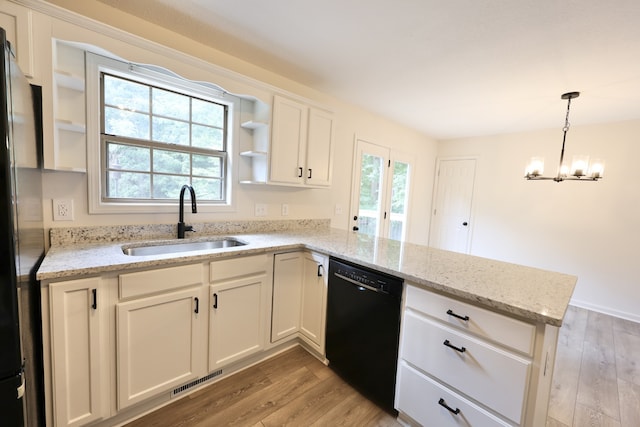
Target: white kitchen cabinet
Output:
[(300, 298), (158, 335), (237, 310), (287, 295), (79, 346), (17, 22), (462, 352), (301, 144), (314, 300)]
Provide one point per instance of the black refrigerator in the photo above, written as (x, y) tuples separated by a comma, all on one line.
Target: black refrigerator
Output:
[(21, 241)]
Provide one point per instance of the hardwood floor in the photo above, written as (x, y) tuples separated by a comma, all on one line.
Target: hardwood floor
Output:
[(597, 374), (596, 383), (293, 388)]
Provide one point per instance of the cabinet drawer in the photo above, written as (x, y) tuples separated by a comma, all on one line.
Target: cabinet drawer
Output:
[(419, 397), (237, 267), (160, 280), (488, 374), (485, 323)]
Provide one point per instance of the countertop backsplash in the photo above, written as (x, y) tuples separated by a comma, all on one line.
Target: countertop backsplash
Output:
[(126, 233)]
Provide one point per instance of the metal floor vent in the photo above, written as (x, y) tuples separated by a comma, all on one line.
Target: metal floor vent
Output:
[(194, 383)]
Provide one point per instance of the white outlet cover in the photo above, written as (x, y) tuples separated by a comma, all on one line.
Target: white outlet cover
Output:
[(63, 209)]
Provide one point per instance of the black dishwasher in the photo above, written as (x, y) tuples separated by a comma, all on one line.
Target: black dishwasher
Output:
[(363, 329)]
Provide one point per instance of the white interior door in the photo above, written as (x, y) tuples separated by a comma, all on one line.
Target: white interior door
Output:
[(451, 217), (380, 202)]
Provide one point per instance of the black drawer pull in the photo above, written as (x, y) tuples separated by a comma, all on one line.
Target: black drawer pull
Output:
[(215, 301), (448, 344), (94, 303), (441, 402), (197, 310), (451, 313)]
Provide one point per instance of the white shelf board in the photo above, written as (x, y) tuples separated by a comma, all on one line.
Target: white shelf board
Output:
[(253, 125), (252, 153)]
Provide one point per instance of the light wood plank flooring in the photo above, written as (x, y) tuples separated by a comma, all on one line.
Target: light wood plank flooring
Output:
[(596, 383), (597, 373), (293, 388)]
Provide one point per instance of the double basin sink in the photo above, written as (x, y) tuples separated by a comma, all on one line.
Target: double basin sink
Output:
[(187, 246)]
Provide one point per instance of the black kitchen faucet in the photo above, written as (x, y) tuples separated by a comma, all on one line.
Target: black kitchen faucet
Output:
[(194, 209)]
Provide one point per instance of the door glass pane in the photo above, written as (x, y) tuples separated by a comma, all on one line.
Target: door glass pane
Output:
[(399, 192), (370, 193)]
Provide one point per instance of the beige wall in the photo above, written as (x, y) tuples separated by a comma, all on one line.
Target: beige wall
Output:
[(589, 229)]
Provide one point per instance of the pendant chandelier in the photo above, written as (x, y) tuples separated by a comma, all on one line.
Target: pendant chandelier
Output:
[(581, 169)]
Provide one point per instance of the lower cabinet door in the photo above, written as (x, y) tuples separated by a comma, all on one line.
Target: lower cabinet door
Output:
[(314, 300), (236, 320), (431, 404), (79, 342), (157, 341)]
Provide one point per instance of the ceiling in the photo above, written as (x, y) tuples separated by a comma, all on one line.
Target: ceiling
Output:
[(449, 69)]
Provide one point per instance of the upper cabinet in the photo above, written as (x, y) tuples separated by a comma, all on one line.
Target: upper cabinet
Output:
[(17, 21), (301, 144)]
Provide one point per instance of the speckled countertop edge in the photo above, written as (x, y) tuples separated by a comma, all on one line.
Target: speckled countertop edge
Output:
[(534, 294)]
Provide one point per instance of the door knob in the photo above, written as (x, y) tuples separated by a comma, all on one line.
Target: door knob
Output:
[(465, 223), (355, 228), (355, 218)]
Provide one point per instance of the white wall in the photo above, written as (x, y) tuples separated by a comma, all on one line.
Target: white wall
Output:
[(589, 229), (303, 203)]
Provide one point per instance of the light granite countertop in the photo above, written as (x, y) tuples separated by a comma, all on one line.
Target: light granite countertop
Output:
[(537, 295)]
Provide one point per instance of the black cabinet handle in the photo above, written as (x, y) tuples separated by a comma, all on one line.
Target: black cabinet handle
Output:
[(451, 313), (94, 295), (309, 177), (215, 300), (448, 344), (197, 310), (320, 270), (300, 172), (441, 402)]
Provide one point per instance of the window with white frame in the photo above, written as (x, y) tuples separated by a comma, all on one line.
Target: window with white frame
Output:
[(158, 132)]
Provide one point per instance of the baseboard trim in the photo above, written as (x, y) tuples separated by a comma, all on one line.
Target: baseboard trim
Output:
[(606, 310)]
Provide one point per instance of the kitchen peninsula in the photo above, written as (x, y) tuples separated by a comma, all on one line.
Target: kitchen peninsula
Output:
[(515, 311)]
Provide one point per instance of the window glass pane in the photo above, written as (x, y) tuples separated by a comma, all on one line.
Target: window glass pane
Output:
[(128, 157), (125, 94), (170, 131), (399, 200), (207, 166), (168, 186), (207, 137), (126, 123), (399, 189), (370, 193), (128, 185), (207, 188), (166, 161), (207, 113), (170, 104)]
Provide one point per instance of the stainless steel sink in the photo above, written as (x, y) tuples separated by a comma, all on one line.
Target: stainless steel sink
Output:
[(181, 247)]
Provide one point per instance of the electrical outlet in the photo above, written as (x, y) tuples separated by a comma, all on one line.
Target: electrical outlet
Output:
[(261, 209), (285, 209), (338, 209), (63, 209)]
